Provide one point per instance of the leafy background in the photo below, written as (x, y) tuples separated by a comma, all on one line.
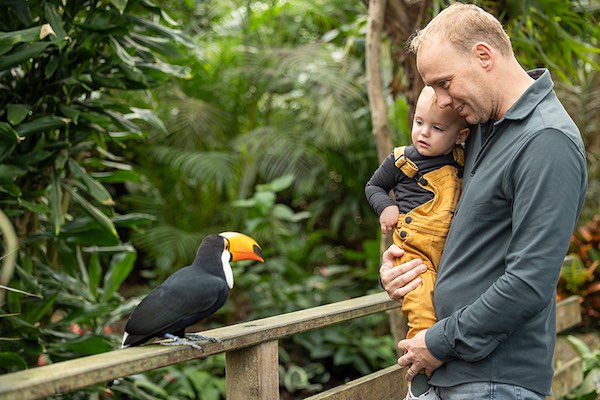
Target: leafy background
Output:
[(130, 129)]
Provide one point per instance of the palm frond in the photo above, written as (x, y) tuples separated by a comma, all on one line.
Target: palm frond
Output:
[(192, 123), (168, 245), (208, 168)]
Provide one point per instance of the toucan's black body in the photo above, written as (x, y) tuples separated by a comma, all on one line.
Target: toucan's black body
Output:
[(187, 296), (184, 298)]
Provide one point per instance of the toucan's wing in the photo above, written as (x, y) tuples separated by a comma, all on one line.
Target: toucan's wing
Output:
[(179, 302)]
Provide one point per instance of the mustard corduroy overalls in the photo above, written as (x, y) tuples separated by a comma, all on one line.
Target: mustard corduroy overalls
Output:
[(422, 232)]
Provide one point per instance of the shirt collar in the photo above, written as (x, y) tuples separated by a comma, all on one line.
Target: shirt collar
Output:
[(532, 96)]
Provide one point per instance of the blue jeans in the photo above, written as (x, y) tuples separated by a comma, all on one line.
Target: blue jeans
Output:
[(487, 391)]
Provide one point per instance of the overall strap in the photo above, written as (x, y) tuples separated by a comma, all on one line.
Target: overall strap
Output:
[(459, 155), (407, 166)]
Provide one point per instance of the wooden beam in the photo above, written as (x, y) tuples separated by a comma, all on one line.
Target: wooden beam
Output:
[(252, 373), (568, 313), (386, 384), (567, 377), (74, 374)]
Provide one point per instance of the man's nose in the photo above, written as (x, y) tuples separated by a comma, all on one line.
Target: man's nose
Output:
[(443, 100)]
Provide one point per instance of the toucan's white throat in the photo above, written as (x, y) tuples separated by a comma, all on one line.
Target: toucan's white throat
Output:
[(227, 268)]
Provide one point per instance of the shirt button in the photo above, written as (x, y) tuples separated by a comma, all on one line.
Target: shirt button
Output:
[(402, 234), (408, 220)]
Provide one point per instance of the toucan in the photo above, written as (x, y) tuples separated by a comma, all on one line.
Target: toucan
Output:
[(192, 293)]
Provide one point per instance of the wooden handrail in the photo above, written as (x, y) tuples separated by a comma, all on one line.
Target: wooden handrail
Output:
[(251, 360), (75, 374)]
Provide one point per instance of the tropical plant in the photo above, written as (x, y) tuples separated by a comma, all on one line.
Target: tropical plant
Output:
[(63, 128), (580, 274), (590, 388)]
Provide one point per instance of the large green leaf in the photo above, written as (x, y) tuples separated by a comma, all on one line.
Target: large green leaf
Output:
[(102, 219), (175, 34), (33, 34), (85, 345), (24, 53), (16, 113), (8, 140), (9, 173), (95, 188), (41, 124), (120, 268), (11, 361)]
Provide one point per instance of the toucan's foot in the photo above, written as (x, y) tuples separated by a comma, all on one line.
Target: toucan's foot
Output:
[(196, 337), (177, 341)]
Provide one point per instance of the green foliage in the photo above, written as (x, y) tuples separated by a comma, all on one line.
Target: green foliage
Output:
[(590, 388), (63, 125)]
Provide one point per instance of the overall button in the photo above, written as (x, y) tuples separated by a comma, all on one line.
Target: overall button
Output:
[(408, 219), (402, 234)]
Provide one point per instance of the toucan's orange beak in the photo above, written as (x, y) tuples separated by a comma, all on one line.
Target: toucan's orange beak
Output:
[(243, 247)]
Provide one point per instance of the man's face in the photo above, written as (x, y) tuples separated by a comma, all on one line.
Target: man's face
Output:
[(457, 79)]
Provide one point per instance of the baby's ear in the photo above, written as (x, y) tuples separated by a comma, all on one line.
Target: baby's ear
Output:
[(462, 136)]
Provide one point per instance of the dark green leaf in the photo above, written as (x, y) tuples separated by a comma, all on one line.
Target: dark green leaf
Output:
[(117, 176), (7, 133), (11, 362), (120, 5), (23, 54), (174, 34), (41, 124), (101, 218), (85, 345), (9, 173), (17, 112), (94, 273), (55, 202), (120, 268), (95, 188), (133, 219), (55, 21), (69, 112)]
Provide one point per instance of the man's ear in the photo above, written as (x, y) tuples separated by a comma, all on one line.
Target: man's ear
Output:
[(483, 54), (462, 136)]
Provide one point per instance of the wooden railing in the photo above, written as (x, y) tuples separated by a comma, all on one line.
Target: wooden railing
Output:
[(252, 367)]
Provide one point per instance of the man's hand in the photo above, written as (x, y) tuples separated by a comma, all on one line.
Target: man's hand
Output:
[(417, 357), (398, 281)]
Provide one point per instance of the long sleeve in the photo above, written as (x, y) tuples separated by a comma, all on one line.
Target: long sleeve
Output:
[(377, 189)]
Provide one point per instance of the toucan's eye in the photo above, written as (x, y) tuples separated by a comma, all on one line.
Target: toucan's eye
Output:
[(226, 245)]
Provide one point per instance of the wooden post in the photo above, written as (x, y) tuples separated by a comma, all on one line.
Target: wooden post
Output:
[(252, 373)]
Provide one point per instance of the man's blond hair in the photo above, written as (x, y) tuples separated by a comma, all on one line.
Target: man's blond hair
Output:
[(463, 25)]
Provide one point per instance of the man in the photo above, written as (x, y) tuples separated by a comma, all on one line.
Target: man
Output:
[(523, 188)]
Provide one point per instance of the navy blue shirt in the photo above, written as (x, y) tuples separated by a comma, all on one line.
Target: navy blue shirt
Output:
[(495, 295)]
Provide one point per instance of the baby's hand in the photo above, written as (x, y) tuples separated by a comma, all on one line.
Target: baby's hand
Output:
[(389, 219)]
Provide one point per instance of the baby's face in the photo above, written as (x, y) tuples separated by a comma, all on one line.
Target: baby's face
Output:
[(435, 130)]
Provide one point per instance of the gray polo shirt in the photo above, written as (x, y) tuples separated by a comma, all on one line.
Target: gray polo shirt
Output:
[(495, 295)]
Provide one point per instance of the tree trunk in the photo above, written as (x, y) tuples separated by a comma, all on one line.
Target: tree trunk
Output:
[(381, 130)]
